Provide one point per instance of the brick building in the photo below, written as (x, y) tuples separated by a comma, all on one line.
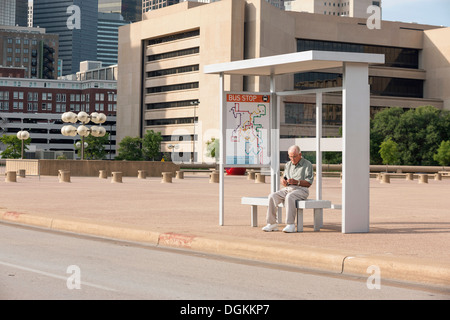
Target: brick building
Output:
[(36, 105)]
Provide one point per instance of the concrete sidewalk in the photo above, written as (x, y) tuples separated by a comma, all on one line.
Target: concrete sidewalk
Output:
[(408, 240)]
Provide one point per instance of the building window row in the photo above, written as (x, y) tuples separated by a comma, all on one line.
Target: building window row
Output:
[(166, 72), (162, 122), (394, 56), (380, 86), (174, 37), (170, 104), (305, 113), (173, 87), (173, 54)]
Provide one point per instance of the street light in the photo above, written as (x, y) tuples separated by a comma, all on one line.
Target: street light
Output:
[(22, 135), (82, 130), (194, 103)]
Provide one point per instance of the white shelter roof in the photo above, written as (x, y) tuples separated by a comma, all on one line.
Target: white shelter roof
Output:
[(292, 63)]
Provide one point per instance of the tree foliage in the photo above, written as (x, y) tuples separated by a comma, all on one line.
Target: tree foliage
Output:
[(389, 151), (13, 146), (95, 149), (443, 154), (151, 145), (137, 149), (130, 149), (417, 133)]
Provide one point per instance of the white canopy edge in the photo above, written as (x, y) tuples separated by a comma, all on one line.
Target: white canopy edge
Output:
[(292, 63)]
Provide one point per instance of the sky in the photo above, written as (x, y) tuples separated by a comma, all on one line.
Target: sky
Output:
[(433, 12)]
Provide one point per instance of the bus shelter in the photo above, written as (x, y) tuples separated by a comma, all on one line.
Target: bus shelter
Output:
[(355, 141)]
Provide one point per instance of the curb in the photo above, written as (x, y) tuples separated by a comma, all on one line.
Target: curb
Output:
[(339, 262)]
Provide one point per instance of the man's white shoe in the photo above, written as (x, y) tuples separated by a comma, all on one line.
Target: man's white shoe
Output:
[(289, 228), (270, 227)]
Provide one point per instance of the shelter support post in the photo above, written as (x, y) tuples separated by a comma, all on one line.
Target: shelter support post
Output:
[(356, 151), (222, 149)]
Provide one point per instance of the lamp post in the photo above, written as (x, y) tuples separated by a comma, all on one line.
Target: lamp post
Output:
[(195, 105), (82, 130), (22, 135)]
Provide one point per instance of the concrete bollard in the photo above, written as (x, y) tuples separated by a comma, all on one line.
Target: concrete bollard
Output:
[(385, 178), (180, 175), (260, 178), (423, 178), (10, 176), (142, 174), (410, 176), (116, 177), (166, 177), (64, 176), (102, 174), (214, 177), (438, 176), (21, 173), (251, 174)]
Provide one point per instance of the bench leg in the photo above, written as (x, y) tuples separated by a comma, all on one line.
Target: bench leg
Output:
[(280, 215), (318, 219), (254, 216), (299, 220)]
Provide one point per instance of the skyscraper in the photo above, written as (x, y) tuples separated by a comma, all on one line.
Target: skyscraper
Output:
[(13, 12), (129, 9), (75, 21), (349, 8), (108, 37)]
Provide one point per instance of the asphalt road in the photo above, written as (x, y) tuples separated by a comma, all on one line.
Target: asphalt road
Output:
[(46, 265)]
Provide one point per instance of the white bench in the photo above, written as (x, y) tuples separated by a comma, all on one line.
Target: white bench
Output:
[(317, 205)]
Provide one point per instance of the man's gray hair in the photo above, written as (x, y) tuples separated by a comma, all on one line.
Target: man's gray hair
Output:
[(294, 148)]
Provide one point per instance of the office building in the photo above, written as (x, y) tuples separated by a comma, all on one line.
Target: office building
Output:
[(108, 37), (131, 10), (29, 48), (75, 21), (162, 86), (14, 13), (348, 8)]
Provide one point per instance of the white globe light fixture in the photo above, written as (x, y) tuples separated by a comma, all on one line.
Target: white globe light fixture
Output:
[(82, 130), (22, 135)]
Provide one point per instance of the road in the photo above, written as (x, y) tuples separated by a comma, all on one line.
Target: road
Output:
[(41, 264)]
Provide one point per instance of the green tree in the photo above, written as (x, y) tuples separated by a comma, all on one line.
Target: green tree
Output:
[(13, 146), (130, 149), (213, 148), (382, 127), (95, 149), (389, 151), (418, 133), (443, 154), (151, 145)]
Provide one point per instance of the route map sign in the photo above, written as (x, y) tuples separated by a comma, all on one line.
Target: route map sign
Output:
[(247, 123)]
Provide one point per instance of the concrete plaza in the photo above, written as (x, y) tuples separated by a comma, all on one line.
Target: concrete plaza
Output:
[(409, 234)]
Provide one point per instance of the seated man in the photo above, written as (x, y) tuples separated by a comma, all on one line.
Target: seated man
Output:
[(298, 177)]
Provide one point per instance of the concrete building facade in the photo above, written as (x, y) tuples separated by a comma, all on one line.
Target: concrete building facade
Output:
[(349, 8), (161, 85)]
